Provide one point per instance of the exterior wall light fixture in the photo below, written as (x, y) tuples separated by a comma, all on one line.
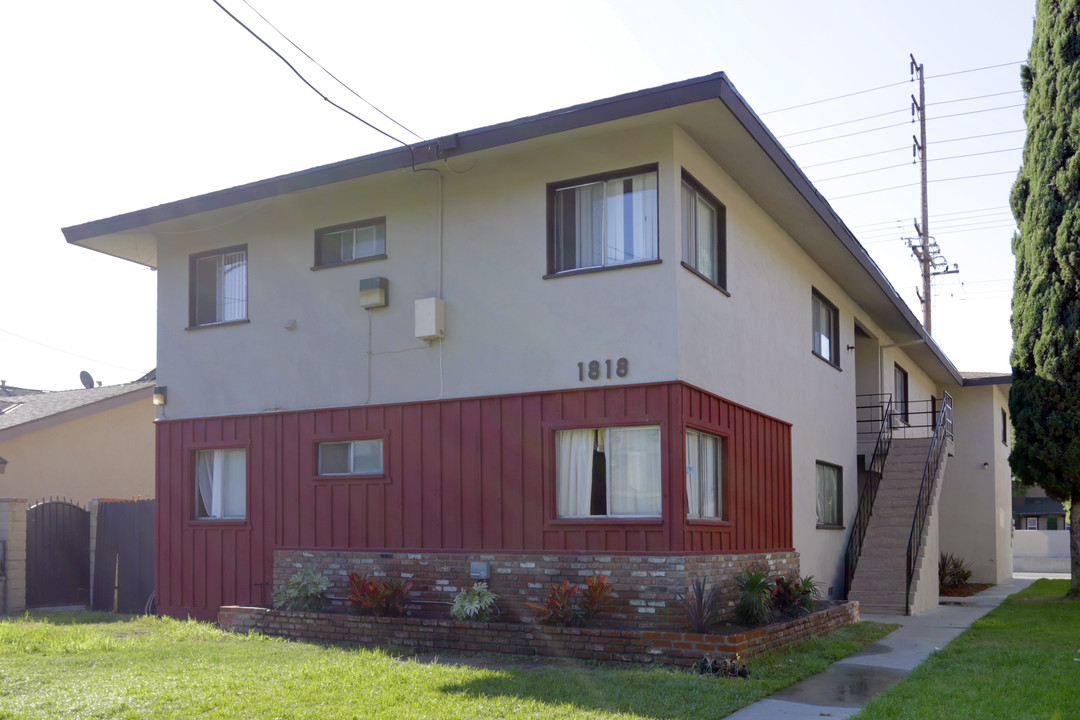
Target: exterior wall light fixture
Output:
[(161, 395), (374, 293)]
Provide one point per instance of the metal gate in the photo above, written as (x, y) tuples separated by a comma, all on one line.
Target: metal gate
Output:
[(57, 554), (124, 557)]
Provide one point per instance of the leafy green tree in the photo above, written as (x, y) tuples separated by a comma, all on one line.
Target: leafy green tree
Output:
[(1045, 396)]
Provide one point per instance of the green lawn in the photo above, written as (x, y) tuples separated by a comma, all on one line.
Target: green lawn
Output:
[(95, 665), (1022, 660)]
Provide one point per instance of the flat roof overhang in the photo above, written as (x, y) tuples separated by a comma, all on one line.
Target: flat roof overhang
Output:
[(709, 109)]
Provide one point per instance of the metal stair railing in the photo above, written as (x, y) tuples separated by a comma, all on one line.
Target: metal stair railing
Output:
[(869, 491), (943, 431)]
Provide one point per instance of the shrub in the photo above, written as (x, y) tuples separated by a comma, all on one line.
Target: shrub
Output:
[(953, 574), (305, 590), (379, 597), (795, 597), (477, 603), (597, 595), (700, 605), (755, 602), (560, 607)]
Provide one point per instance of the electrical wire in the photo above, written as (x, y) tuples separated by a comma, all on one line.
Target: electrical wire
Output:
[(65, 352), (897, 187), (855, 157), (845, 122), (973, 97), (975, 137), (974, 112), (838, 97), (893, 167), (335, 77), (886, 127), (305, 80), (979, 69)]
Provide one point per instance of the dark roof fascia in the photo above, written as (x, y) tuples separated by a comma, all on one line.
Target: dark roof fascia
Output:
[(577, 116), (776, 152), (1003, 379)]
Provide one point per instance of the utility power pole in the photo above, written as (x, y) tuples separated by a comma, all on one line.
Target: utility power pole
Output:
[(926, 252)]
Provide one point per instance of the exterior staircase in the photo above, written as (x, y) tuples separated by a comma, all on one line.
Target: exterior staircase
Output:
[(880, 582)]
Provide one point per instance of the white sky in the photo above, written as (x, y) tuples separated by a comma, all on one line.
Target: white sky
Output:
[(119, 105)]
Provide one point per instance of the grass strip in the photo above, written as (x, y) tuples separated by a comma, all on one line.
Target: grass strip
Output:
[(1021, 660), (87, 665)]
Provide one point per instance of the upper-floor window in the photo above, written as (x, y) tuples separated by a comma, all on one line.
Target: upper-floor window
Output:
[(826, 329), (351, 242), (218, 286), (1004, 427), (900, 394), (221, 484), (603, 221), (704, 246), (611, 471), (353, 457), (704, 471)]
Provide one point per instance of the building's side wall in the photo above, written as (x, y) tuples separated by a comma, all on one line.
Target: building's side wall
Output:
[(975, 517), (474, 474), (109, 454)]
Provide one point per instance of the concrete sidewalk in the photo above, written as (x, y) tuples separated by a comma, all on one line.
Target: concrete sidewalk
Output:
[(847, 685)]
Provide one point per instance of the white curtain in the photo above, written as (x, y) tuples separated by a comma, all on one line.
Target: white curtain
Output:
[(589, 225), (232, 282), (693, 475), (221, 483), (828, 511), (574, 462), (699, 233), (822, 329), (204, 471), (702, 475), (631, 233), (633, 471)]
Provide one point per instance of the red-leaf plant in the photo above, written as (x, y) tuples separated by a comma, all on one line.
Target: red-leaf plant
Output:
[(379, 597), (563, 607)]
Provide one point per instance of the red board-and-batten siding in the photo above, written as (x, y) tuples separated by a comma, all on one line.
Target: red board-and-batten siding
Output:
[(466, 474)]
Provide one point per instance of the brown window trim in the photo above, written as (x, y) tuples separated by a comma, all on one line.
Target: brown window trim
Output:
[(604, 268), (320, 232), (835, 329), (220, 324), (382, 477), (193, 259), (709, 282), (721, 234)]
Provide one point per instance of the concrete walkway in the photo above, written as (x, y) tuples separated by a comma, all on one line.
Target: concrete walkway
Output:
[(847, 685)]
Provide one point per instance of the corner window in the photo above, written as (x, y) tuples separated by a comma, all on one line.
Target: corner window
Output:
[(608, 472), (703, 475), (704, 246), (355, 457), (352, 242), (603, 221), (218, 286), (1033, 523), (826, 329), (900, 394), (221, 484), (830, 495)]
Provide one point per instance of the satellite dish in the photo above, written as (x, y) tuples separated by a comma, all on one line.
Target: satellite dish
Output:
[(86, 379)]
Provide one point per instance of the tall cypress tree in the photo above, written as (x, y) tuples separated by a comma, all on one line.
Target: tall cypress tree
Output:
[(1045, 396)]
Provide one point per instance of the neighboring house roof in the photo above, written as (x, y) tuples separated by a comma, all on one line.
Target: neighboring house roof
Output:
[(9, 391), (972, 379), (708, 108), (27, 413), (1039, 506)]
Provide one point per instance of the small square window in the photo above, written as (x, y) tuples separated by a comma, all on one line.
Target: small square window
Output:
[(218, 287), (221, 484), (352, 242), (704, 473), (826, 328), (704, 246), (608, 472), (355, 457), (1033, 523), (830, 495), (603, 221)]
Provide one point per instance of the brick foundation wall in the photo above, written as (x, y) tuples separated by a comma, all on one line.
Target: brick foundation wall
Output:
[(604, 644), (644, 587)]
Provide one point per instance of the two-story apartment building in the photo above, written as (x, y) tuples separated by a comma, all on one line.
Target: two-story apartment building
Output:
[(625, 332)]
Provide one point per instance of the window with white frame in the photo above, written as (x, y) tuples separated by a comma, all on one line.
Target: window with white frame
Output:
[(704, 473), (1033, 523), (603, 221), (218, 286), (830, 495), (352, 242), (221, 484), (703, 232), (611, 471), (826, 329), (354, 457)]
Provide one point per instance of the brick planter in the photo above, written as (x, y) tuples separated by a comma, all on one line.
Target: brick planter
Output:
[(638, 646)]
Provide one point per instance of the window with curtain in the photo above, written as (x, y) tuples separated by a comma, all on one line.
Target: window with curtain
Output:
[(608, 472), (826, 324), (703, 475), (221, 484), (603, 221), (361, 240), (900, 394), (830, 507), (703, 232), (355, 457), (219, 286)]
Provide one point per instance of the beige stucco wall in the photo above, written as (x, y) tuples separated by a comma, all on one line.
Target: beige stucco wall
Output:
[(107, 454), (976, 503)]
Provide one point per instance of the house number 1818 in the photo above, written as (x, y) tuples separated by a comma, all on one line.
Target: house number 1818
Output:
[(594, 369)]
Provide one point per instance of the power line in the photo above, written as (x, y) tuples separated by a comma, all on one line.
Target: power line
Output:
[(961, 72), (886, 127), (893, 167), (976, 112), (855, 157), (973, 97), (335, 77), (897, 187), (976, 137), (305, 80), (845, 122), (996, 209), (65, 352)]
